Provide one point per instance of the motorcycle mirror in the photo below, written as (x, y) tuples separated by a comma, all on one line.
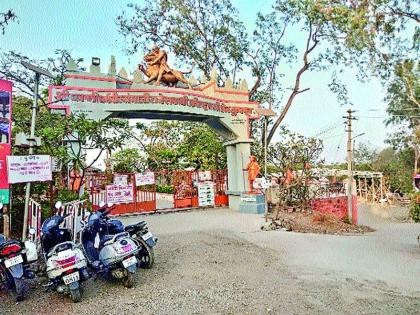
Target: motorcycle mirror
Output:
[(32, 231), (110, 205), (58, 205), (102, 204)]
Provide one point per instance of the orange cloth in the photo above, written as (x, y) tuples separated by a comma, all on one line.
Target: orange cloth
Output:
[(289, 176), (253, 170)]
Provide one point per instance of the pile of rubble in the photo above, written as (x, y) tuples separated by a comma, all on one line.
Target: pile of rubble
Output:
[(312, 222)]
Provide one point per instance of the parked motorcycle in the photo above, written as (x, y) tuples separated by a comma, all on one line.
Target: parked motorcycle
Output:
[(139, 232), (107, 252), (66, 263), (15, 260)]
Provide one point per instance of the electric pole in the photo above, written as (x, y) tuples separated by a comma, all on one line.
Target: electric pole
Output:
[(349, 131)]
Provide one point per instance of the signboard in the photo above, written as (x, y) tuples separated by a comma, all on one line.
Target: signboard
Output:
[(204, 175), (29, 168), (205, 194), (249, 198), (146, 178), (120, 179), (77, 100), (117, 194)]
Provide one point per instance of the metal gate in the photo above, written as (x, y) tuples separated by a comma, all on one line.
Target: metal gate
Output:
[(184, 189), (176, 189), (144, 197)]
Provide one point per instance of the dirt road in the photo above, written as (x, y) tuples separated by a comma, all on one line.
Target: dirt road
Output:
[(219, 262)]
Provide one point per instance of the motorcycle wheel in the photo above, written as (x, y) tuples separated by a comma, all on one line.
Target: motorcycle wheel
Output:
[(128, 280), (146, 256), (75, 295), (20, 289), (4, 280)]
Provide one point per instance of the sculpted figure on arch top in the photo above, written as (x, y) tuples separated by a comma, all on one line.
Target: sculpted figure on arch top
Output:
[(157, 69)]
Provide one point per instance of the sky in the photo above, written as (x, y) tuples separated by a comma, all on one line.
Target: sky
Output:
[(88, 29)]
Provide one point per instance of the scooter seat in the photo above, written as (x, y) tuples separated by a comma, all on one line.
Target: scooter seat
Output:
[(105, 239), (133, 228)]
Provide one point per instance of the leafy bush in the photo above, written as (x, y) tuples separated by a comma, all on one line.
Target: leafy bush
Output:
[(415, 208), (66, 195), (165, 189)]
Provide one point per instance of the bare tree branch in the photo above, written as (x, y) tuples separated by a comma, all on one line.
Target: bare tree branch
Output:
[(296, 90)]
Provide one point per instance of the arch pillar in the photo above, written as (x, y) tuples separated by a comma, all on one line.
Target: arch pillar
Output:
[(238, 153)]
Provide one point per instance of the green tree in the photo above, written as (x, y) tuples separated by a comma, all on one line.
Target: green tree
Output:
[(300, 155), (295, 152), (333, 35), (206, 32), (403, 100), (202, 148), (12, 69), (364, 156), (127, 160), (179, 145), (338, 35), (396, 165), (57, 132)]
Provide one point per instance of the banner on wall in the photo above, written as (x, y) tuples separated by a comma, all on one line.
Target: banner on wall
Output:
[(117, 194), (29, 168), (120, 179), (146, 178)]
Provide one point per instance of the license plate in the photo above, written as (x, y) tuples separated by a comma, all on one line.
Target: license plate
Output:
[(73, 277), (147, 236), (129, 261), (13, 261)]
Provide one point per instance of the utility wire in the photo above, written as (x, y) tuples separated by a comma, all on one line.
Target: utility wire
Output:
[(326, 130), (338, 147)]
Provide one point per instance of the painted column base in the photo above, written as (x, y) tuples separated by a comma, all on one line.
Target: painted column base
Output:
[(252, 203), (234, 202)]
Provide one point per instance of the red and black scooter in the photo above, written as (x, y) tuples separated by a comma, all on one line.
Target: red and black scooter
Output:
[(15, 259)]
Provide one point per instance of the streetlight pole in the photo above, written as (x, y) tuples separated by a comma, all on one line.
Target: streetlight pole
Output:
[(31, 151), (38, 72)]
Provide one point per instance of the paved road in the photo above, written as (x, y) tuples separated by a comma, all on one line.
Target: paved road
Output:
[(220, 262), (390, 254)]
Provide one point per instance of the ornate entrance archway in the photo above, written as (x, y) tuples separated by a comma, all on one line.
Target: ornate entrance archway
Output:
[(227, 110)]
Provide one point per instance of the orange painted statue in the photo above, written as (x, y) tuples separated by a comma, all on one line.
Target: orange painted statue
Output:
[(158, 70), (253, 169)]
